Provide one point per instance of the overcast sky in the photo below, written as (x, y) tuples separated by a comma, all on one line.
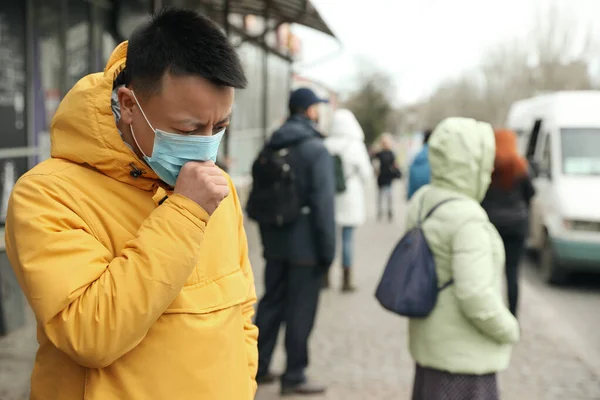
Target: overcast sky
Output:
[(419, 42)]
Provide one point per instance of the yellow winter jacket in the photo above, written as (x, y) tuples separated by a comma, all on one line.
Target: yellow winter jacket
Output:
[(136, 297)]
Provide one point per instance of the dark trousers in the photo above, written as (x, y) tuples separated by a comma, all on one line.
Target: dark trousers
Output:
[(291, 298), (513, 247)]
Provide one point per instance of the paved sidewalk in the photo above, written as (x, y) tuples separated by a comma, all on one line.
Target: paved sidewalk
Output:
[(360, 351)]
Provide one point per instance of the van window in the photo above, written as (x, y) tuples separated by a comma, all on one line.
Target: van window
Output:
[(580, 151)]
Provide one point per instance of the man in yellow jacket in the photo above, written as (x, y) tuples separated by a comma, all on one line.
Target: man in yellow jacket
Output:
[(129, 242)]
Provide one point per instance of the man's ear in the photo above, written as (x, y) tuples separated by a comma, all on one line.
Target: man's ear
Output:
[(313, 112), (127, 103)]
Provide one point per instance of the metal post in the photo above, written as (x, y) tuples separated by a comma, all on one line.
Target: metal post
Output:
[(265, 110), (93, 16), (226, 27), (29, 78), (64, 28)]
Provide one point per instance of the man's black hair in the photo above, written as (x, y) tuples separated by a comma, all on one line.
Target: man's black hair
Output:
[(295, 110), (181, 42)]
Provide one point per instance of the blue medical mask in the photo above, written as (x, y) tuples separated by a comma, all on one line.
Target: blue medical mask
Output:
[(171, 151)]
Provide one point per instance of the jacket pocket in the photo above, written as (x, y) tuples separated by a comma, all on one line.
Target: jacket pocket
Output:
[(227, 291)]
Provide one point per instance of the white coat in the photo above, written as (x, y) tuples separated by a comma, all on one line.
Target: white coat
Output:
[(346, 138)]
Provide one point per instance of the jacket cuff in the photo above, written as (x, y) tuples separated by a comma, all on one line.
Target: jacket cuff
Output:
[(190, 209)]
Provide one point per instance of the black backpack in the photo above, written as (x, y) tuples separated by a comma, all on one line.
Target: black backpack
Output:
[(274, 199), (409, 285)]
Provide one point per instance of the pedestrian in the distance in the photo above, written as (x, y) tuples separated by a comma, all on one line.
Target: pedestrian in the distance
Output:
[(346, 142), (387, 172), (467, 339), (298, 253), (419, 173), (507, 205)]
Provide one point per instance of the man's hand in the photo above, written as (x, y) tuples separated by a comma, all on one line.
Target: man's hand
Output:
[(204, 183)]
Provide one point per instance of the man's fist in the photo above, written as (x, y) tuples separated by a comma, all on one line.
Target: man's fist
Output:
[(204, 183)]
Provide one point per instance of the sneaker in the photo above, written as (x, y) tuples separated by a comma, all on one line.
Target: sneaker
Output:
[(306, 388)]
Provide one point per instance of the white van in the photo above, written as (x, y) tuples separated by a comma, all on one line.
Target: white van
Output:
[(560, 136)]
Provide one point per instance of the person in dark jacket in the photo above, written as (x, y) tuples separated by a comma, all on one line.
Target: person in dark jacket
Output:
[(419, 173), (507, 205), (387, 172), (297, 256)]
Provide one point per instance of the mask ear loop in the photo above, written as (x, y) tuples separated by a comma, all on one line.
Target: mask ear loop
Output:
[(142, 110), (136, 142), (147, 121)]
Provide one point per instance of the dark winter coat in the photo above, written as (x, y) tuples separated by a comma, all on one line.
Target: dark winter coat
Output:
[(311, 239), (508, 209)]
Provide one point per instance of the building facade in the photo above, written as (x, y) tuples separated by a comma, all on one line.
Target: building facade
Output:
[(46, 46)]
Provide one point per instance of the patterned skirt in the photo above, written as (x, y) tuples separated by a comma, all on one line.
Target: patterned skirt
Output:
[(431, 384)]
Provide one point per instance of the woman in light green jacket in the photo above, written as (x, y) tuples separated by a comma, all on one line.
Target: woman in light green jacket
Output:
[(468, 337)]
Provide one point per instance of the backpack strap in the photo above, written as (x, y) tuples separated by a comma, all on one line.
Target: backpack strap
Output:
[(421, 220), (446, 285), (339, 154), (437, 206)]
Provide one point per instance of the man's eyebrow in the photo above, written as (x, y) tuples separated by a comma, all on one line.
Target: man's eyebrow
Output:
[(191, 122), (224, 120), (197, 123)]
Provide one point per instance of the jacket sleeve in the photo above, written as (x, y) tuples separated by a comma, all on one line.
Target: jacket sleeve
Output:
[(476, 284), (93, 306), (321, 199), (250, 330)]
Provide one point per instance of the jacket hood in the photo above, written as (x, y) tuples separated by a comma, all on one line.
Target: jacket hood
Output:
[(84, 130), (345, 125), (461, 156), (295, 129)]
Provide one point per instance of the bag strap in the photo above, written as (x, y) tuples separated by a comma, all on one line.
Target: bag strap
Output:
[(339, 154), (446, 285), (421, 220)]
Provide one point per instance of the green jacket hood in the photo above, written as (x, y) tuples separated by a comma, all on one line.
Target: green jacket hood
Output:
[(461, 156)]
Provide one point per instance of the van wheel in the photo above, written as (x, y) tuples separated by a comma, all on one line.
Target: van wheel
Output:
[(550, 270)]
